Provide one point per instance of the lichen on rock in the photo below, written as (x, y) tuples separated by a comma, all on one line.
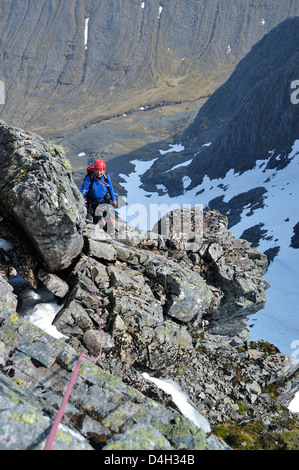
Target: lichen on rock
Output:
[(37, 191)]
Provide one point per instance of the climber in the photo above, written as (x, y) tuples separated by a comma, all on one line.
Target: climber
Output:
[(98, 191)]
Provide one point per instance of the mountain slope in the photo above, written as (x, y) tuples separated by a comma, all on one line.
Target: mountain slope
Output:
[(249, 173), (262, 206), (254, 107), (67, 65), (247, 117)]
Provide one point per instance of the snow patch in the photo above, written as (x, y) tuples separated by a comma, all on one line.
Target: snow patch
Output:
[(179, 165), (6, 245), (174, 148), (86, 32), (186, 182), (43, 315), (181, 401), (294, 404), (39, 307)]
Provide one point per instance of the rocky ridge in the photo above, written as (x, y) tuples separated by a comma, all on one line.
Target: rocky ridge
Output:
[(173, 306)]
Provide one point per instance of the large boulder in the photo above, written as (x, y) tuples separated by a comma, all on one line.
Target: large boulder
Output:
[(37, 190)]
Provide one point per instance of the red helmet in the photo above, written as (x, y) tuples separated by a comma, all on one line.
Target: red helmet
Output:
[(100, 164)]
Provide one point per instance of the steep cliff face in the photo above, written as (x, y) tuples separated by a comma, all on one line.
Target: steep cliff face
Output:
[(252, 113), (68, 64), (245, 119)]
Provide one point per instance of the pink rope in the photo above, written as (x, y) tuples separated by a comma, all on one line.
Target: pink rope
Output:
[(61, 410)]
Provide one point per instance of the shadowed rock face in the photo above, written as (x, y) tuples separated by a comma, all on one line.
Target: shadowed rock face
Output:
[(252, 113), (249, 116), (37, 191)]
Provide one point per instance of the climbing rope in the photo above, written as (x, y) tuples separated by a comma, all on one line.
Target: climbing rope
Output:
[(82, 356)]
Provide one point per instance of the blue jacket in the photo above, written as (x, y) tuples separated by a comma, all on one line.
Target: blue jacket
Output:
[(98, 190)]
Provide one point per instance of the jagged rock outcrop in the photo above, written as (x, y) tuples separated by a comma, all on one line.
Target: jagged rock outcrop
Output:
[(37, 191), (102, 413), (172, 305), (149, 300), (232, 269), (227, 379)]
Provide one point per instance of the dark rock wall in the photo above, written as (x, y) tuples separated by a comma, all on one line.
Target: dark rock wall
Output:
[(246, 118), (252, 112)]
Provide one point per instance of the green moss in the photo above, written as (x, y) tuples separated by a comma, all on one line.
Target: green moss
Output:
[(288, 423), (183, 434), (234, 436), (201, 350), (265, 347), (14, 399), (240, 441), (115, 420), (242, 408), (14, 318), (29, 417), (255, 435), (141, 437), (19, 382), (14, 415), (288, 440), (272, 390)]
